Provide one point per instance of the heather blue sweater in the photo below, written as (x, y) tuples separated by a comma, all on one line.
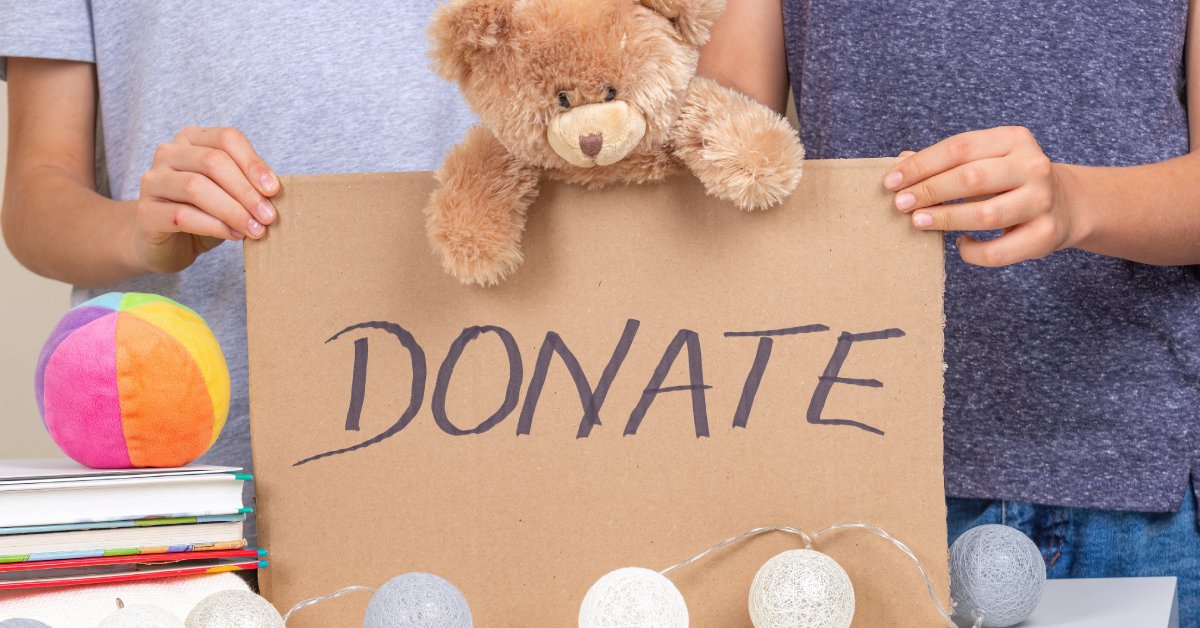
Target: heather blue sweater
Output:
[(1073, 380)]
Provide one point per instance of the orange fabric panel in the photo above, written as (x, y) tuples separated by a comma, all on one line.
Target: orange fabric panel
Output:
[(166, 409), (191, 331)]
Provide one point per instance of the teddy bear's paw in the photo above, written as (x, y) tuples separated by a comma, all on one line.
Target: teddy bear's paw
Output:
[(476, 259), (755, 166)]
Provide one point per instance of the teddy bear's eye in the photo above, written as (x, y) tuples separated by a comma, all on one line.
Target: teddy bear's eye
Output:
[(564, 100), (610, 94)]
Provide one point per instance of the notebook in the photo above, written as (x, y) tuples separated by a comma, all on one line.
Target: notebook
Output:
[(112, 541), (55, 492), (16, 571), (95, 574), (127, 523)]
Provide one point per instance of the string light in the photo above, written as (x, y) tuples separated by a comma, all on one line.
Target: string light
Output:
[(809, 539), (233, 609), (801, 588), (997, 575), (638, 596)]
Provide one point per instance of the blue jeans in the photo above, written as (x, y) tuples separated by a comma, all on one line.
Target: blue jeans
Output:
[(1083, 543)]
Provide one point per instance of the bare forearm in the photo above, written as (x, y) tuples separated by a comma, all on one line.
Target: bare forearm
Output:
[(54, 222), (747, 52), (61, 229), (1148, 214), (205, 186)]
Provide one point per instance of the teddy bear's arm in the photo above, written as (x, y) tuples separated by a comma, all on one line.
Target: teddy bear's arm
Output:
[(740, 149), (477, 214)]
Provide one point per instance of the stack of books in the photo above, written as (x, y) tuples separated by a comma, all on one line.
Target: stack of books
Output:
[(63, 524)]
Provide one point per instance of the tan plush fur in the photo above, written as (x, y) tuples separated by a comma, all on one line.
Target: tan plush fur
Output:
[(592, 92)]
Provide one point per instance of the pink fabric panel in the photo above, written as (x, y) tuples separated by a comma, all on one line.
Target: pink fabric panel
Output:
[(83, 411)]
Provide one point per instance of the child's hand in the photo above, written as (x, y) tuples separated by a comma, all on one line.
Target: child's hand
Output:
[(205, 186), (1007, 162)]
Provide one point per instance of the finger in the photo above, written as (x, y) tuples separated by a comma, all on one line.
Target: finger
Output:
[(905, 154), (218, 166), (954, 151), (997, 212), (1028, 241), (986, 176), (232, 141), (170, 217), (199, 191)]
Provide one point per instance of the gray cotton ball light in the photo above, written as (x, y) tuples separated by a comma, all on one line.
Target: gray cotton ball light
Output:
[(20, 622), (998, 573), (418, 600)]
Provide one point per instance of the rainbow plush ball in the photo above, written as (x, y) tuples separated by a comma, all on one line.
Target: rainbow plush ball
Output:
[(132, 380)]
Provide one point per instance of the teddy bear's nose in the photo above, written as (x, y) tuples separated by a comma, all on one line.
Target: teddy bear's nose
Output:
[(591, 144)]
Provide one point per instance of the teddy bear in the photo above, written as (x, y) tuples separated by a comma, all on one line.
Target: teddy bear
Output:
[(592, 92)]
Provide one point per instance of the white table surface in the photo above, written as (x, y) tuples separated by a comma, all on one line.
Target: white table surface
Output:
[(1107, 603)]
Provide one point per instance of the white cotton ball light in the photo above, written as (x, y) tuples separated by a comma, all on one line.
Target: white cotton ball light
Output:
[(801, 589), (997, 572), (633, 597), (418, 600), (234, 609), (22, 622), (139, 616)]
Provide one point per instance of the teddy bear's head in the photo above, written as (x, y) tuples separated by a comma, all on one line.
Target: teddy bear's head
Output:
[(578, 82)]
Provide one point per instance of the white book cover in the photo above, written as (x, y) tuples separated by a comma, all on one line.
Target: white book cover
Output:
[(36, 470), (45, 492)]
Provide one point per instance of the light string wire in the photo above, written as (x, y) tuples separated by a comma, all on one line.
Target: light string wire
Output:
[(318, 600), (735, 539), (809, 539)]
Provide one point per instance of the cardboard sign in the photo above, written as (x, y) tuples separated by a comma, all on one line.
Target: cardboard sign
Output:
[(663, 372)]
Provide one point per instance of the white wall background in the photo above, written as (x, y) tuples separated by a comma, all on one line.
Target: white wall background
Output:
[(29, 308)]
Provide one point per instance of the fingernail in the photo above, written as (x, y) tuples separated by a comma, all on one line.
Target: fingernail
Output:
[(905, 200), (266, 211), (893, 180), (269, 182), (255, 228), (921, 220)]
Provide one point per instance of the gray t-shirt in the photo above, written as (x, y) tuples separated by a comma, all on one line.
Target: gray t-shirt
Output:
[(1073, 380), (317, 87)]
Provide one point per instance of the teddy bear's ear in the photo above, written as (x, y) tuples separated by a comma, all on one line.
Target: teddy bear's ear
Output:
[(463, 30), (692, 18)]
